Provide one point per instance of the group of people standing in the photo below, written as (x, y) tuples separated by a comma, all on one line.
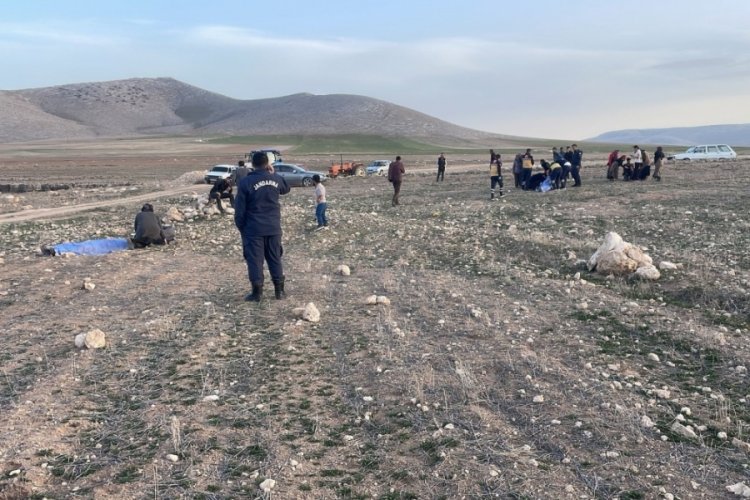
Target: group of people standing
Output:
[(636, 167), (565, 163)]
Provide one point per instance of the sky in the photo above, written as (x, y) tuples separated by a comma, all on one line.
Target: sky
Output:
[(537, 68)]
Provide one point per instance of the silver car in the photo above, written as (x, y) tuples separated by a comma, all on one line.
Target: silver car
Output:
[(378, 167), (295, 175)]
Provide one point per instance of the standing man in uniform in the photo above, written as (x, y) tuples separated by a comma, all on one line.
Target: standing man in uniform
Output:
[(258, 217), (395, 176), (441, 168)]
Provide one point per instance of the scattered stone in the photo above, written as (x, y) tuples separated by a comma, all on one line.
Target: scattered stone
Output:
[(382, 299), (610, 454), (739, 489), (666, 265), (742, 445), (88, 284), (662, 393), (172, 457), (646, 422), (267, 485), (211, 397), (308, 313), (647, 273), (538, 399), (343, 270), (722, 435), (175, 215), (618, 257), (684, 430), (371, 300), (653, 357), (686, 410), (94, 339)]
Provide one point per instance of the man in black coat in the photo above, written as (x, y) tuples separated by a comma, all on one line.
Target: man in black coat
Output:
[(148, 229), (222, 190), (258, 217)]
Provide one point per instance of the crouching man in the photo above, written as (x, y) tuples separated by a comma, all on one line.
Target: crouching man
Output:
[(257, 215), (148, 228), (223, 189)]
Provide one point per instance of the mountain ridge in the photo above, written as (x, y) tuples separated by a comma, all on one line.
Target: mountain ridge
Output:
[(732, 134), (164, 106)]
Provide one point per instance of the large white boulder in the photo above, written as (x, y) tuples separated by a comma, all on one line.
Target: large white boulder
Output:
[(618, 257)]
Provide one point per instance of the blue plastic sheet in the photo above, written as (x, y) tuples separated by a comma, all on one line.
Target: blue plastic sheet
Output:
[(92, 247)]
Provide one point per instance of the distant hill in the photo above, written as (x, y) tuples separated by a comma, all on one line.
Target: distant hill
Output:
[(734, 135), (159, 106)]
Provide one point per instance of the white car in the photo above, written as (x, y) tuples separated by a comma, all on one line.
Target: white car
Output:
[(219, 172), (378, 167), (707, 152)]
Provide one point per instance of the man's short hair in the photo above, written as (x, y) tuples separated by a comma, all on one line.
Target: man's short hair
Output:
[(241, 163), (260, 159), (316, 178), (398, 158), (147, 207)]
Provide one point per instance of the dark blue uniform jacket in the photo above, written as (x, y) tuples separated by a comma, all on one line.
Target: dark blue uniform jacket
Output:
[(257, 211)]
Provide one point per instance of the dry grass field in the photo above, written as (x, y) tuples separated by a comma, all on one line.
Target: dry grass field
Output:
[(500, 368)]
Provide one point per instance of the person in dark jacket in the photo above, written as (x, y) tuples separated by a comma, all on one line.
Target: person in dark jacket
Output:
[(395, 176), (658, 161), (517, 169), (148, 228), (441, 168), (575, 166), (222, 190), (258, 217)]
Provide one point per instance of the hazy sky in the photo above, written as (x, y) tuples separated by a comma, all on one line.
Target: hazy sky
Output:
[(558, 69)]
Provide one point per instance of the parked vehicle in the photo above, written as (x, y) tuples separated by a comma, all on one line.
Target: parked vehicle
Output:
[(378, 167), (296, 175), (346, 168), (707, 152), (219, 172), (274, 155)]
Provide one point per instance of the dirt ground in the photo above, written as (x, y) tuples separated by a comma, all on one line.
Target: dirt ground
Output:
[(501, 368)]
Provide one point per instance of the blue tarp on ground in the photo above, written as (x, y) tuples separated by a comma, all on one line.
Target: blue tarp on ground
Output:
[(92, 247)]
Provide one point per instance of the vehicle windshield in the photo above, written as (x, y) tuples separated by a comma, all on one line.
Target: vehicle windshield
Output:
[(691, 150), (220, 169)]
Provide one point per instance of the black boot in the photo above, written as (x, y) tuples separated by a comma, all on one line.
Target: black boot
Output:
[(257, 293), (278, 288)]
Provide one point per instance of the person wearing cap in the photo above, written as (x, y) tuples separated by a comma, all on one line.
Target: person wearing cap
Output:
[(148, 228), (258, 217)]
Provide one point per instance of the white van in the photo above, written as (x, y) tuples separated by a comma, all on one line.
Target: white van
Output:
[(707, 152)]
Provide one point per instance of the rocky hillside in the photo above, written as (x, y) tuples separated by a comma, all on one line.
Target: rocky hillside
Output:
[(166, 106)]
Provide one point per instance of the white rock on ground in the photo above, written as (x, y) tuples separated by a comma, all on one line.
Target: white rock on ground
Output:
[(267, 485), (653, 357), (739, 489), (175, 215), (646, 422), (371, 300), (172, 457), (684, 431), (662, 393), (308, 313), (88, 284), (343, 270), (94, 339), (648, 273), (616, 256), (382, 299), (742, 445), (666, 265)]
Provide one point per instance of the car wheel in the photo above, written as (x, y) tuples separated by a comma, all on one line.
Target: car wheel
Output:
[(307, 182)]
